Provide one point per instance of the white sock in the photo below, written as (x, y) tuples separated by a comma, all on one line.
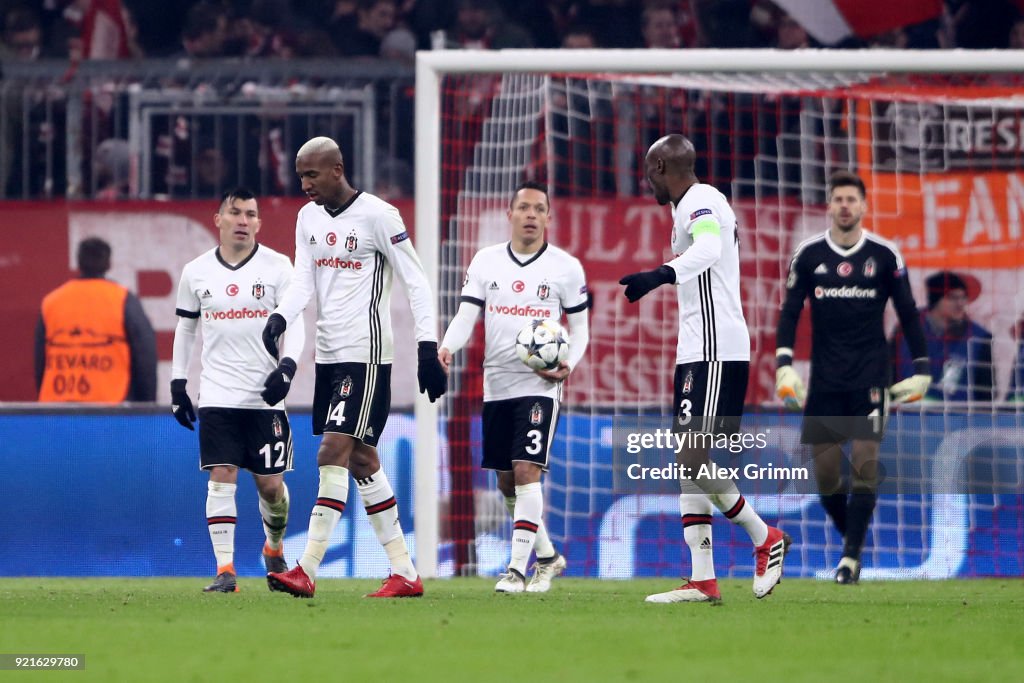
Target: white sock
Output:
[(542, 545), (382, 511), (275, 518), (525, 522), (726, 497), (330, 503), (696, 509), (221, 516)]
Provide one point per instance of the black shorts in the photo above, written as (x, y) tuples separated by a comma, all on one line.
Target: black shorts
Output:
[(251, 439), (518, 429), (353, 399), (708, 396), (837, 416)]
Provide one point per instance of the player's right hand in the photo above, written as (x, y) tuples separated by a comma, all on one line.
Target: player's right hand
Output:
[(911, 389), (639, 284), (272, 331), (181, 404), (790, 388)]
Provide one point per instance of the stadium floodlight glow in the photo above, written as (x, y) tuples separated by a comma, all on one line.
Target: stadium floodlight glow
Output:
[(937, 135)]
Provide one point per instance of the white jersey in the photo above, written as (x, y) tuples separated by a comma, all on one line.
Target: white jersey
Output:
[(232, 304), (347, 257), (512, 294), (711, 322)]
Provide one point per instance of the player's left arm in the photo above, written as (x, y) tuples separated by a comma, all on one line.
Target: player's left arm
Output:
[(393, 240), (142, 349), (40, 352), (912, 388), (295, 336)]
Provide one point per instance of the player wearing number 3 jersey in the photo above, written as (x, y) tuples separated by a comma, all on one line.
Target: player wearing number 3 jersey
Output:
[(515, 283), (712, 362)]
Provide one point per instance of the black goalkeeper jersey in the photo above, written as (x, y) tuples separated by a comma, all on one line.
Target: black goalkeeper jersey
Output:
[(848, 289)]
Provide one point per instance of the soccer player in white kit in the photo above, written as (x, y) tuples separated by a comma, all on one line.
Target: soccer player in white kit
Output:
[(514, 283), (712, 361), (229, 291), (348, 245)]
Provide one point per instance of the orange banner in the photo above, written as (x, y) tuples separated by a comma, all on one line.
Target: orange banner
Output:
[(962, 219)]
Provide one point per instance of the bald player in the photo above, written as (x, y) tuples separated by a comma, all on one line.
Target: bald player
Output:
[(712, 363), (348, 246)]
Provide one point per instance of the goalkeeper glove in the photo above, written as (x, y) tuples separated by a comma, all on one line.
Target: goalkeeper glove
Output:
[(429, 371), (911, 389), (790, 388), (278, 382), (639, 284), (181, 404), (272, 331)]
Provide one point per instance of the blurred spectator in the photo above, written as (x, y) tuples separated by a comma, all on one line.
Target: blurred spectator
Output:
[(1016, 41), (22, 37), (480, 26), (373, 20), (959, 349), (660, 27), (94, 343), (790, 35), (107, 31), (205, 31), (394, 179), (112, 166)]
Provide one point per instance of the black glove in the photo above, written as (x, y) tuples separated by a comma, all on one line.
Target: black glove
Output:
[(278, 382), (272, 331), (429, 372), (181, 404), (638, 284)]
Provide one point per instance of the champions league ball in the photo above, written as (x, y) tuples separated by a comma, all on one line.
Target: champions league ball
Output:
[(542, 345)]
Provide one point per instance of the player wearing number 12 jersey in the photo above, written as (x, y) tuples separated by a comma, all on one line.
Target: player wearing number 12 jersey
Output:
[(514, 283), (712, 362), (229, 291)]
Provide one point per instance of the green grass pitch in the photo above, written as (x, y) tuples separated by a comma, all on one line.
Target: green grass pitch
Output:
[(584, 630)]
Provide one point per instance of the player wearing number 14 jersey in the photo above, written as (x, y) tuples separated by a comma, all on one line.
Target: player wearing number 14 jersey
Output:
[(712, 362), (229, 291), (348, 246), (514, 283)]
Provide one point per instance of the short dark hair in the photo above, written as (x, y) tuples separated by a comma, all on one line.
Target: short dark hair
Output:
[(243, 193), (93, 257), (846, 179), (530, 185)]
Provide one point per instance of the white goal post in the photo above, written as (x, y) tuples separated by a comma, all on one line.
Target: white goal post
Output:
[(823, 69)]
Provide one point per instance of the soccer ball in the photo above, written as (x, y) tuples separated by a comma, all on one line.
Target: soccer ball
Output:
[(542, 344)]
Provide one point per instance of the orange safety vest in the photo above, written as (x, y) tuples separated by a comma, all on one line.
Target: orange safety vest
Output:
[(87, 355)]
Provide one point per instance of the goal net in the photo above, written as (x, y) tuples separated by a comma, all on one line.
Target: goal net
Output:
[(940, 147)]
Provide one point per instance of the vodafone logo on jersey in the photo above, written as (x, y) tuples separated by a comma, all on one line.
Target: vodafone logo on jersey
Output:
[(335, 262), (331, 239), (845, 293), (518, 286), (232, 289), (519, 311), (236, 313)]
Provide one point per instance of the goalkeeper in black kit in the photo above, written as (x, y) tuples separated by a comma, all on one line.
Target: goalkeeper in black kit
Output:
[(849, 274)]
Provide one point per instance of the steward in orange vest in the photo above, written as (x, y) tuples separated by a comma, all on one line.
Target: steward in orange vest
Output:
[(94, 343)]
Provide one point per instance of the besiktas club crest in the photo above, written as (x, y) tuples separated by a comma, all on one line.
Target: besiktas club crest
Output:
[(536, 414)]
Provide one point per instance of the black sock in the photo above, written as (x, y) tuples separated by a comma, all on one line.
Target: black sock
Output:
[(835, 506), (858, 511)]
